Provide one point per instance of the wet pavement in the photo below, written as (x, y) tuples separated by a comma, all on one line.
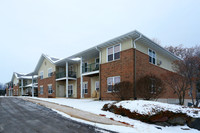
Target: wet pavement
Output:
[(20, 116)]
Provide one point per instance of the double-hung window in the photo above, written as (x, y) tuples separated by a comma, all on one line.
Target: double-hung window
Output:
[(50, 90), (111, 81), (41, 90), (70, 90), (152, 56), (113, 52), (85, 88), (50, 72), (41, 75)]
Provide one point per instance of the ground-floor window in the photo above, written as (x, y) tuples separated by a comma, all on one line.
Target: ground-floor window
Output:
[(85, 88), (111, 81), (70, 89), (50, 90), (97, 85), (41, 90)]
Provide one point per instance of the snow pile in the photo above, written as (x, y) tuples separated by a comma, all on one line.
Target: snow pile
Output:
[(151, 108)]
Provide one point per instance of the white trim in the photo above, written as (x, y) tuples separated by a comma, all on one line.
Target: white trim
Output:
[(113, 46), (90, 73)]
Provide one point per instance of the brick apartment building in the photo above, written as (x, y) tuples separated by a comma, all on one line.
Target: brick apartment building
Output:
[(90, 73)]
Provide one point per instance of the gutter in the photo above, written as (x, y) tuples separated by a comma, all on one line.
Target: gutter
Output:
[(99, 72), (135, 76)]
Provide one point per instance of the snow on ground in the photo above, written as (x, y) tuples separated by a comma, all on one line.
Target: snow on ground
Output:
[(95, 107), (151, 107)]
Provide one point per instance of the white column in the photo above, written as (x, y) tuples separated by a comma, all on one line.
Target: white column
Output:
[(22, 87), (67, 80), (81, 80), (32, 87)]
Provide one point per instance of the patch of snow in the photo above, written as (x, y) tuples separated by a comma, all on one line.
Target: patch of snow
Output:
[(152, 107), (95, 107)]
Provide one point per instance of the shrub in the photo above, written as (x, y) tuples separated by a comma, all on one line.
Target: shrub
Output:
[(122, 90), (149, 87)]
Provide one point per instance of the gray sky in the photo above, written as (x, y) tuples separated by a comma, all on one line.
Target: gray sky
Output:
[(61, 28)]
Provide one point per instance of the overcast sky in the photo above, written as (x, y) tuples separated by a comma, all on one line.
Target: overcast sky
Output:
[(61, 28)]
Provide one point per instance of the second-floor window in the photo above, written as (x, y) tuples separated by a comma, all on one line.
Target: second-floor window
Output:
[(114, 52), (152, 56), (50, 72), (41, 75)]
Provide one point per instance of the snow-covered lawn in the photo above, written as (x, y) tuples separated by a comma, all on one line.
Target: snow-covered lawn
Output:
[(138, 126)]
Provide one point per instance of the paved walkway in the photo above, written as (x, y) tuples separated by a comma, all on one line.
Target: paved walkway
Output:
[(80, 114)]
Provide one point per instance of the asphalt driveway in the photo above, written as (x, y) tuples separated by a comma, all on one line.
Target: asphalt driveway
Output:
[(20, 116)]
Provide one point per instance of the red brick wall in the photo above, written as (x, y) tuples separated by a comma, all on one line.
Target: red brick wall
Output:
[(122, 67), (85, 79), (144, 67), (125, 69), (45, 82), (15, 90)]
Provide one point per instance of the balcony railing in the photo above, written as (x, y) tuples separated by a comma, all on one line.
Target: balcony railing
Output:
[(71, 74), (90, 68)]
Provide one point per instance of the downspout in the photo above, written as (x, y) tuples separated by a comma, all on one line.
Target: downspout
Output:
[(135, 76), (99, 72)]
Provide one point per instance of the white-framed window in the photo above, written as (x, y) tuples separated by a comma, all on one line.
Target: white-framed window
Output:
[(50, 90), (41, 75), (70, 89), (41, 90), (97, 63), (111, 81), (97, 85), (85, 65), (113, 52), (85, 87), (50, 73), (152, 56)]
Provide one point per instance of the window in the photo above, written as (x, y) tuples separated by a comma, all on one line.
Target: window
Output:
[(111, 81), (50, 90), (97, 64), (97, 85), (85, 65), (114, 52), (41, 75), (41, 90), (85, 88), (50, 73), (70, 90), (152, 56), (153, 89)]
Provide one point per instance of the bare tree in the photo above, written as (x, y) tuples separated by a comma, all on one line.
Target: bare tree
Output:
[(156, 41), (150, 87), (122, 90), (179, 84)]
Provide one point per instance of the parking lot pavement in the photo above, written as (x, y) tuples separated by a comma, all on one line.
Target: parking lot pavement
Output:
[(20, 116)]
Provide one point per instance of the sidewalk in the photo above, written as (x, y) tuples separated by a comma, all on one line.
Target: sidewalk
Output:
[(80, 114)]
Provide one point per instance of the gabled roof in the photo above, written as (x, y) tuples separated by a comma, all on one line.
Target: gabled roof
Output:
[(131, 35), (22, 76), (53, 60)]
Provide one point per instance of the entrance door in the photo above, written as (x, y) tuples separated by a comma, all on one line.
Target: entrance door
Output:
[(61, 91)]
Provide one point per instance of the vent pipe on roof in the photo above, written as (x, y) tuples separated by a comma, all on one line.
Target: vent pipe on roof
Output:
[(134, 46)]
